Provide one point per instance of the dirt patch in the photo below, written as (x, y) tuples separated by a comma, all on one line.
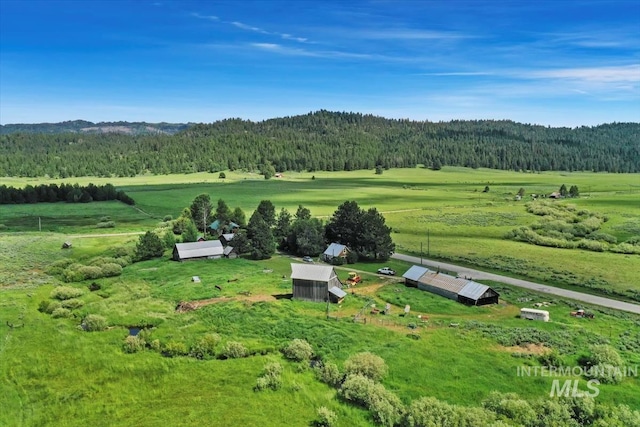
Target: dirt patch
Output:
[(186, 306)]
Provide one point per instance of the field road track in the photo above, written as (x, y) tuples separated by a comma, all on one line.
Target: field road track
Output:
[(481, 275), (80, 236)]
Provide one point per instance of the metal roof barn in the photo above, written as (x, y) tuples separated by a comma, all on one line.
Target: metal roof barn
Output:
[(210, 249), (312, 282)]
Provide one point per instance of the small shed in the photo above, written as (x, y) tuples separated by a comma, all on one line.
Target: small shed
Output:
[(336, 294), (312, 282), (229, 252), (226, 238), (335, 250), (66, 245), (210, 249)]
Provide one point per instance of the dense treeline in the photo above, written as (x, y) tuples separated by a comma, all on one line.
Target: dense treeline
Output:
[(53, 193), (325, 141)]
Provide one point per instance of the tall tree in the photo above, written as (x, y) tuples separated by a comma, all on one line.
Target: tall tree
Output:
[(375, 242), (149, 246), (201, 211), (307, 237), (190, 233), (303, 213), (563, 190), (345, 226), (260, 237), (267, 211), (239, 217), (223, 213), (573, 191), (282, 229)]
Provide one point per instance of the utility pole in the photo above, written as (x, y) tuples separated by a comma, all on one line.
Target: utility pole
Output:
[(204, 223), (428, 243), (420, 253), (39, 224)]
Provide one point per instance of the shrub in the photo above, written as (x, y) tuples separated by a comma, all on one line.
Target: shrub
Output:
[(94, 322), (174, 348), (105, 218), (234, 350), (604, 354), (270, 378), (367, 364), (59, 266), (357, 388), (106, 224), (328, 373), (206, 347), (352, 257), (110, 270), (149, 246), (385, 407), (95, 286), (326, 417), (65, 292), (72, 303), (61, 312), (592, 245), (90, 272), (337, 261), (222, 175), (133, 344), (511, 406), (167, 218), (550, 359), (48, 307), (298, 350)]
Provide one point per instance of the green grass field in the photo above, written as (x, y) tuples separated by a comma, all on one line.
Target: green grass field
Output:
[(54, 373)]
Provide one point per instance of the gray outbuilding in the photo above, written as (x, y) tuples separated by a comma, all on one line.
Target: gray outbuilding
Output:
[(313, 282), (209, 249)]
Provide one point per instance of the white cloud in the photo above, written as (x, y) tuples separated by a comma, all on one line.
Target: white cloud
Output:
[(618, 74)]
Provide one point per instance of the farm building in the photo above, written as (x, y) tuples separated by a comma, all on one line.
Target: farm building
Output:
[(335, 250), (210, 249), (462, 290), (315, 282), (219, 228), (226, 238), (230, 252)]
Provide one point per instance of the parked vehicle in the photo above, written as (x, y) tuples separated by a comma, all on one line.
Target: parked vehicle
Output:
[(307, 259), (354, 278), (386, 270)]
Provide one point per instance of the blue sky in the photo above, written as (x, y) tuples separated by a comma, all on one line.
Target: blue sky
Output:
[(549, 62)]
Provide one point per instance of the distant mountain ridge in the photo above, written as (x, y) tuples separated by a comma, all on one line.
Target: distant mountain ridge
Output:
[(83, 126)]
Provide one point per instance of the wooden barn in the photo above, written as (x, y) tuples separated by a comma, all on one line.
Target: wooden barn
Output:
[(462, 290), (313, 282), (209, 249), (335, 250)]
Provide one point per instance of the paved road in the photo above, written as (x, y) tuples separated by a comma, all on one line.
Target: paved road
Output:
[(481, 275)]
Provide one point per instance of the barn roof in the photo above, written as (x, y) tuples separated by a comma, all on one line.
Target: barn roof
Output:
[(322, 273), (335, 249), (443, 281), (473, 290), (228, 236), (338, 292), (199, 249), (415, 273), (228, 250)]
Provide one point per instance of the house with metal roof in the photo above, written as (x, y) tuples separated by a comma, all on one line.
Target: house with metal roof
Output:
[(209, 249), (335, 250), (312, 282), (456, 288)]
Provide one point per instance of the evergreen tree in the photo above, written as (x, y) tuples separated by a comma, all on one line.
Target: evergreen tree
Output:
[(241, 242), (573, 191), (303, 213), (149, 246), (308, 235), (260, 237), (239, 217), (375, 242), (267, 211), (345, 226), (521, 192), (223, 213), (563, 191), (282, 229)]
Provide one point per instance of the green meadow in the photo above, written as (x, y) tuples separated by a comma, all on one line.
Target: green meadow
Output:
[(52, 372), (445, 213)]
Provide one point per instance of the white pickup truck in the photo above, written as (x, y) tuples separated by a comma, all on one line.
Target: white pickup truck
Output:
[(387, 271)]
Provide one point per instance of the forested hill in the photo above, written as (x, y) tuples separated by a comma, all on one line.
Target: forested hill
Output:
[(325, 141), (82, 126)]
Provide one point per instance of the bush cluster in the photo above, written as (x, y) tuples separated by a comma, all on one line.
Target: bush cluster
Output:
[(326, 417), (106, 224), (133, 344), (298, 350), (65, 292), (366, 364), (94, 322), (328, 373), (234, 350), (271, 377), (206, 347), (386, 407)]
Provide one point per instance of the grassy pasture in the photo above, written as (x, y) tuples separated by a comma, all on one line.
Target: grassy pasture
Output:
[(463, 223), (53, 373)]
